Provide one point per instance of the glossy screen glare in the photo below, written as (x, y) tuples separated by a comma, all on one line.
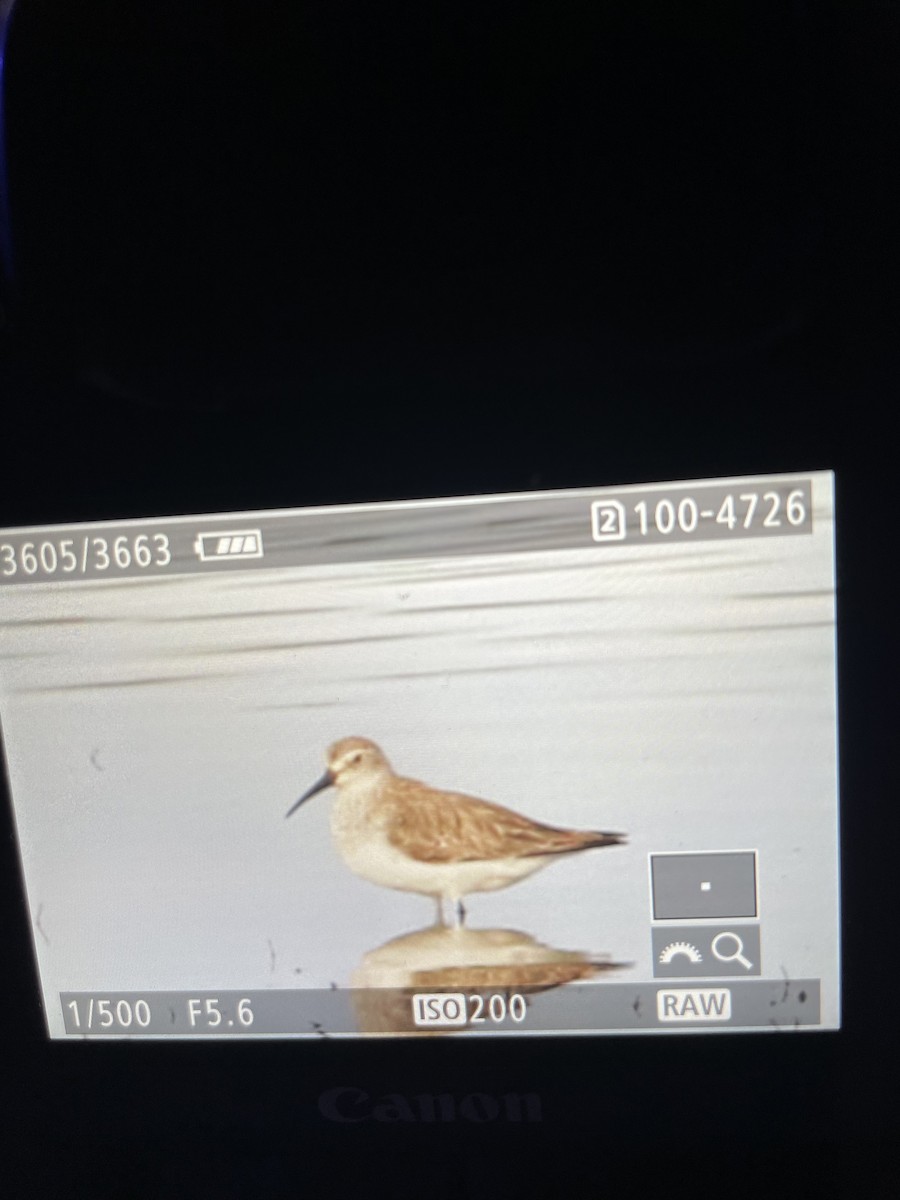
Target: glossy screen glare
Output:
[(567, 764)]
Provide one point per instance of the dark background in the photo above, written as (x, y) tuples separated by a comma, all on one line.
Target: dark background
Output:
[(316, 252)]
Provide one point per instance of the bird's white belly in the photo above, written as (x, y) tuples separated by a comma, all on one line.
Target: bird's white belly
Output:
[(374, 858)]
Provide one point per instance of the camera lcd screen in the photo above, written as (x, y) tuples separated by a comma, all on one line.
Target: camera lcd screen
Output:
[(527, 764)]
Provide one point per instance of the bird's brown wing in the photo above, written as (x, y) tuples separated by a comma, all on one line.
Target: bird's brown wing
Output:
[(446, 827)]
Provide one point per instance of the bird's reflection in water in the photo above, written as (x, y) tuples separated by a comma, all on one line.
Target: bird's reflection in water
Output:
[(438, 959)]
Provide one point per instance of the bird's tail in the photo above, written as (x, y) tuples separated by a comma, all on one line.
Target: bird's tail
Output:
[(605, 839), (566, 841)]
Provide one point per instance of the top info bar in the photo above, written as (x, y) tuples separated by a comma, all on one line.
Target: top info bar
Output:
[(681, 512)]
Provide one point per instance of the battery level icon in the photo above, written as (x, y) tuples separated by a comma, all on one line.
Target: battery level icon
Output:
[(230, 544)]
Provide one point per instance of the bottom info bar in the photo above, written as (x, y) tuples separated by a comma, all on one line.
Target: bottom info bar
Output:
[(578, 1007)]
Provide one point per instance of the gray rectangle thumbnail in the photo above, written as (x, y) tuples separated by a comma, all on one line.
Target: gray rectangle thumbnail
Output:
[(688, 886)]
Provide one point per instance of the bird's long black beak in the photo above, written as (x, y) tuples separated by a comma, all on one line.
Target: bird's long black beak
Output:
[(319, 786)]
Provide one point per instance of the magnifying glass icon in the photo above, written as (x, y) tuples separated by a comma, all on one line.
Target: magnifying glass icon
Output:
[(738, 953)]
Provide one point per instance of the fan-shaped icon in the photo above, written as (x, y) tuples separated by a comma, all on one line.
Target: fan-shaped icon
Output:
[(675, 948)]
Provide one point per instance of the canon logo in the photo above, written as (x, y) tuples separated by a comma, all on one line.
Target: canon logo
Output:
[(350, 1105)]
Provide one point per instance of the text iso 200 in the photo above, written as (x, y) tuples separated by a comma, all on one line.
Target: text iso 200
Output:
[(71, 556), (455, 1008)]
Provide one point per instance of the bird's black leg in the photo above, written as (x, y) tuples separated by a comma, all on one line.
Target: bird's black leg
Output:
[(460, 914)]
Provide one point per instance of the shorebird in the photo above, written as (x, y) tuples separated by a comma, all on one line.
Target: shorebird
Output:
[(406, 835)]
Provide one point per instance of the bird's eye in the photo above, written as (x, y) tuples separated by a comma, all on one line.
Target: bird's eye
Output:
[(356, 757)]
